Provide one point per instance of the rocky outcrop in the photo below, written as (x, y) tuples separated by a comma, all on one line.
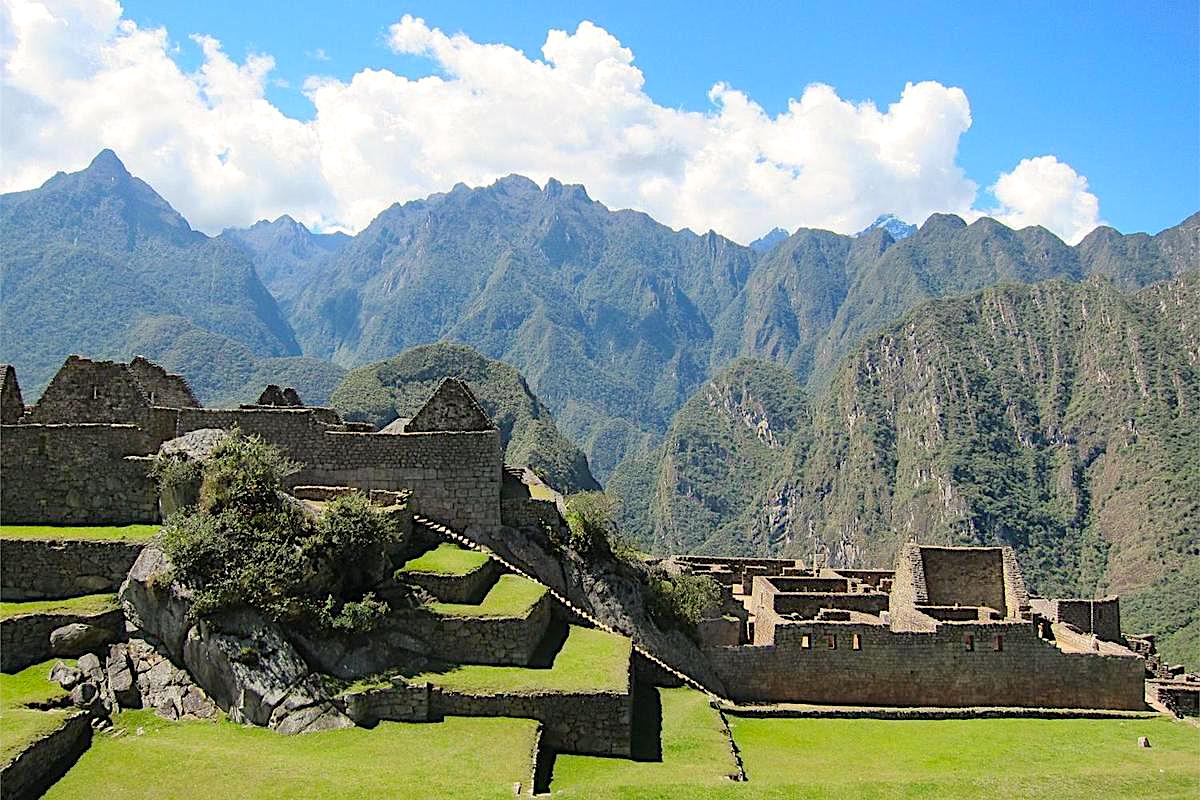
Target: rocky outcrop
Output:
[(255, 674), (239, 659)]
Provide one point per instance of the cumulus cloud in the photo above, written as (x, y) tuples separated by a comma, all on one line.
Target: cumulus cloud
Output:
[(77, 77), (1044, 191)]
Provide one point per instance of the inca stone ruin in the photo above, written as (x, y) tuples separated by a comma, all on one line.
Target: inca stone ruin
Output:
[(941, 628)]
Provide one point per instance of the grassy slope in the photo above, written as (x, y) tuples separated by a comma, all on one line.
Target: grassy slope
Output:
[(86, 605), (695, 754), (131, 533), (512, 596), (447, 559), (19, 725), (589, 661), (477, 758)]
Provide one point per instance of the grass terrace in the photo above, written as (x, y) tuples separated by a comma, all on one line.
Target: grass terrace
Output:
[(153, 759), (589, 661), (447, 559), (20, 725), (694, 755), (87, 605), (511, 596), (95, 533)]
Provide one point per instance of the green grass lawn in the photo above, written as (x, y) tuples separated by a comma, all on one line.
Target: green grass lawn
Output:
[(447, 559), (843, 759), (589, 661), (512, 596), (459, 757), (538, 492), (98, 533), (19, 725), (87, 605), (695, 754)]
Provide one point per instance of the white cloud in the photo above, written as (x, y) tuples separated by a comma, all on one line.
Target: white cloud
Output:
[(77, 77), (1044, 191)]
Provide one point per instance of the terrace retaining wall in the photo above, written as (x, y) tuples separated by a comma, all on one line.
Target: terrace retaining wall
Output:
[(925, 668), (25, 640), (593, 723), (46, 760), (38, 569)]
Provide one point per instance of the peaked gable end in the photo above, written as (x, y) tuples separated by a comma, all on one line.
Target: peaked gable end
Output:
[(452, 407)]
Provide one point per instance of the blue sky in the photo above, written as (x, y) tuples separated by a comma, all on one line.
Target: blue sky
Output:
[(703, 114), (1110, 88)]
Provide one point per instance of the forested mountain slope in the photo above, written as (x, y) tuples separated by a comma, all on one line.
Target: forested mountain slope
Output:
[(386, 391), (1060, 418)]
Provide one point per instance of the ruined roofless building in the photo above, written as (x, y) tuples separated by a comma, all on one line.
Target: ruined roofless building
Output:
[(82, 454), (947, 626)]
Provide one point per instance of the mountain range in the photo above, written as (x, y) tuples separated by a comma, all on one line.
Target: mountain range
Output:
[(654, 349)]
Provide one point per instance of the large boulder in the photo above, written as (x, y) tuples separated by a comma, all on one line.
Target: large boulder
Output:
[(78, 638), (154, 604), (251, 670), (193, 447)]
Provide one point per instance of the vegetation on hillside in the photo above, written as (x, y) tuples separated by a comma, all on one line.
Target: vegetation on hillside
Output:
[(1059, 418), (397, 388)]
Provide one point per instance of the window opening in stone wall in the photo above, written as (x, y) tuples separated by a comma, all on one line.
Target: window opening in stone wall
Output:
[(831, 641), (95, 392), (804, 643), (998, 643), (152, 398), (968, 641), (855, 642)]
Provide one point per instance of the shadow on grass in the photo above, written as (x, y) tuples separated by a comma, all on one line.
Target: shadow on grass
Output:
[(548, 648), (646, 741)]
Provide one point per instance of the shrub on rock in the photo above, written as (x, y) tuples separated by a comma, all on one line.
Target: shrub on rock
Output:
[(249, 545)]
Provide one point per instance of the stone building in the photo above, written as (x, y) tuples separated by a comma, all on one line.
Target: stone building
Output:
[(82, 454), (947, 626), (12, 406)]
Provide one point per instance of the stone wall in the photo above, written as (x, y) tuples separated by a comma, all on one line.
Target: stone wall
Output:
[(83, 474), (598, 724), (37, 767), (92, 391), (398, 702), (161, 387), (469, 588), (484, 640), (33, 569), (964, 576), (455, 476), (12, 405), (25, 640), (807, 605), (1101, 617), (933, 668)]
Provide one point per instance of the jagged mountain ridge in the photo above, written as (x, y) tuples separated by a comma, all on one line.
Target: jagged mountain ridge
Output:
[(89, 255), (616, 319)]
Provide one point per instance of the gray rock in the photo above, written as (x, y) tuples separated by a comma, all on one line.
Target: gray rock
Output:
[(65, 676), (78, 638), (84, 694), (89, 665), (154, 604), (297, 714), (247, 666), (121, 682), (194, 446)]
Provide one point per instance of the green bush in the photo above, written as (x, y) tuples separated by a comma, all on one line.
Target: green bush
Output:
[(245, 472), (680, 601), (250, 545), (591, 519)]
